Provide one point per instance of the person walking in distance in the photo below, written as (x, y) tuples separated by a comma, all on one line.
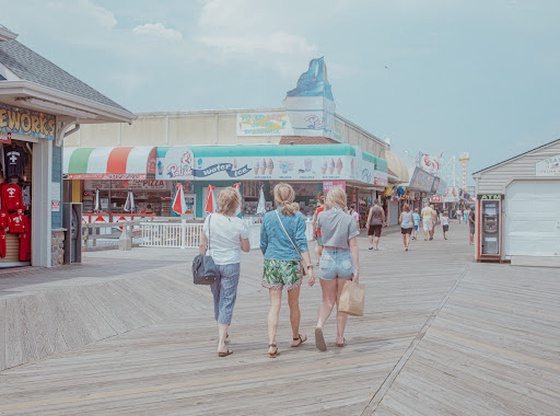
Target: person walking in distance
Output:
[(226, 235), (284, 244), (445, 224), (375, 221), (472, 223), (339, 262), (354, 214), (317, 231), (434, 221), (427, 218), (416, 219), (407, 223)]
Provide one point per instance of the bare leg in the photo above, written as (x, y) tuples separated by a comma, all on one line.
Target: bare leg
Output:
[(273, 314), (328, 301), (377, 243), (222, 333), (370, 240), (341, 318), (295, 316)]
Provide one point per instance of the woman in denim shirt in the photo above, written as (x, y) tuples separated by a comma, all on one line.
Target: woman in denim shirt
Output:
[(281, 262)]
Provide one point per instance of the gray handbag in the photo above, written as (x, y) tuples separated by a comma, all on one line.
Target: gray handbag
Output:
[(204, 270)]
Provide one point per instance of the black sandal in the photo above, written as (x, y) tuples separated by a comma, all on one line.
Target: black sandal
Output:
[(276, 352), (300, 338)]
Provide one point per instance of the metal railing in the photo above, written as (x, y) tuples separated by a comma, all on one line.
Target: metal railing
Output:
[(170, 234), (108, 235), (187, 234)]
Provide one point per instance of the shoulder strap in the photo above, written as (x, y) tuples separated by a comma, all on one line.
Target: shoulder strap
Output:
[(288, 235), (209, 218)]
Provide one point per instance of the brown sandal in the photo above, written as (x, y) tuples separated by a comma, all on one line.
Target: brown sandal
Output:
[(276, 352), (299, 340)]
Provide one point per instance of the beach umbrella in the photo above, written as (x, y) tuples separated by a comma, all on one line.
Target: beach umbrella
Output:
[(261, 206), (210, 200), (129, 205), (97, 207), (179, 205)]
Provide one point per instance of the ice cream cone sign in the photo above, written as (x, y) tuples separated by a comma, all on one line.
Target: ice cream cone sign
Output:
[(179, 204), (210, 199)]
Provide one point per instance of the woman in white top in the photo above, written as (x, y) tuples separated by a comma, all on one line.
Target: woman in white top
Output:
[(407, 224), (225, 235)]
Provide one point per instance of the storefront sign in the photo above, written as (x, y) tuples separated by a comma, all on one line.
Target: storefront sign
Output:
[(26, 122), (548, 167), (490, 197), (421, 180), (181, 164), (328, 185), (264, 124), (451, 194), (127, 184)]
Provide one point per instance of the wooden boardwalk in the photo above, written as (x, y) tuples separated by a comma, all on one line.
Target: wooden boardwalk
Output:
[(126, 333)]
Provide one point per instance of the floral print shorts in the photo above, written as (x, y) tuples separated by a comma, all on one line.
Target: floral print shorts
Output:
[(278, 274)]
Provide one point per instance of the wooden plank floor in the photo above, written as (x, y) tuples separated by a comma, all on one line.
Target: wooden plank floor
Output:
[(128, 334)]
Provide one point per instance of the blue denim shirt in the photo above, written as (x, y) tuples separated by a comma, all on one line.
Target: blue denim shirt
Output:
[(275, 245)]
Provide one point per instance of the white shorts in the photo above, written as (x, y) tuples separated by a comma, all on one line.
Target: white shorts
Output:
[(427, 225)]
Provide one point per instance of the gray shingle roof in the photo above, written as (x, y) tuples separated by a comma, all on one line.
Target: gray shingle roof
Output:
[(30, 66)]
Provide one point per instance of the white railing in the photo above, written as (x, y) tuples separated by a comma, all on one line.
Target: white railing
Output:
[(187, 235), (170, 234)]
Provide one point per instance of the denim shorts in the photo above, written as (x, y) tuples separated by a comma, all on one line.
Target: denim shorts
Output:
[(336, 262)]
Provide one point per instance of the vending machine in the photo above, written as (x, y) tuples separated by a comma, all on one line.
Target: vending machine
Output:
[(489, 224)]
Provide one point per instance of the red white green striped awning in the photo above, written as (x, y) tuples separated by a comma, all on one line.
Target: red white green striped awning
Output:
[(133, 162)]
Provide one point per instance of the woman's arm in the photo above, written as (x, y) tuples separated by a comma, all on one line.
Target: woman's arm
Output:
[(203, 245), (355, 252), (245, 246)]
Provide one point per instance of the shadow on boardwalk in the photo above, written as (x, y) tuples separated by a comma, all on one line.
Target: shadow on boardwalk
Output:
[(127, 333)]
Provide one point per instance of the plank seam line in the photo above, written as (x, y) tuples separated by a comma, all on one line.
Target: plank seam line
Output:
[(392, 376)]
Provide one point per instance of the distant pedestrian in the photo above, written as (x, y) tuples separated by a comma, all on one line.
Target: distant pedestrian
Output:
[(317, 231), (435, 218), (375, 222), (407, 223), (427, 215), (416, 219), (472, 223), (445, 224), (226, 235), (459, 215), (354, 214)]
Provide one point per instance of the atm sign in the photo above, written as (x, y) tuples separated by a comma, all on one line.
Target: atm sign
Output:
[(491, 197)]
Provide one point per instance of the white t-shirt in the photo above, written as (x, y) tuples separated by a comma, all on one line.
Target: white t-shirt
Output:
[(225, 232)]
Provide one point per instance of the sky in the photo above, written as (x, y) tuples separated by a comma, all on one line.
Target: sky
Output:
[(432, 76)]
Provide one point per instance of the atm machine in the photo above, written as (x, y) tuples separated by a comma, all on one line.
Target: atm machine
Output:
[(489, 224)]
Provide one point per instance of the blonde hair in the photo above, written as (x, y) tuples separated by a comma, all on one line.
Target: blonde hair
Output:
[(336, 197), (406, 208), (228, 201), (284, 195)]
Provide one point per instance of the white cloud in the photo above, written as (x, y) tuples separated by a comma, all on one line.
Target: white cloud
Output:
[(250, 30), (157, 30)]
